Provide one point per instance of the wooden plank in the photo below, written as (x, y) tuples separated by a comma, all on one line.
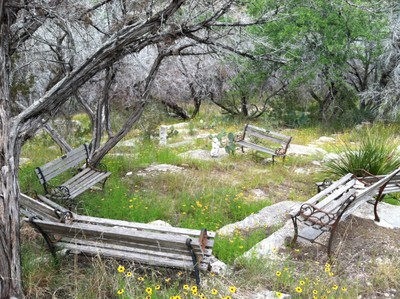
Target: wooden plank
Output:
[(266, 137), (36, 208), (309, 233), (193, 233), (256, 147), (129, 235), (316, 198), (283, 138), (176, 252), (343, 191), (144, 259)]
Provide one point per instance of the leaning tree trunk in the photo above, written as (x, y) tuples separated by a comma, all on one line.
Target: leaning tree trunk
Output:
[(10, 268)]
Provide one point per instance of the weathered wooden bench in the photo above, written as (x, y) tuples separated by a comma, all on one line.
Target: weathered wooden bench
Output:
[(323, 212), (265, 141), (155, 245), (76, 185)]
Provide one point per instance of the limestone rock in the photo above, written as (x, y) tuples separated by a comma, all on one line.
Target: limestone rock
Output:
[(268, 217)]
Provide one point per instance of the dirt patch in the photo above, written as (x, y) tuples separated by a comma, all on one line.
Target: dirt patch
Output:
[(363, 253)]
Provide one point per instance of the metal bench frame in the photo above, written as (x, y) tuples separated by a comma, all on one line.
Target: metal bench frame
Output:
[(173, 247), (323, 212), (76, 185), (253, 131)]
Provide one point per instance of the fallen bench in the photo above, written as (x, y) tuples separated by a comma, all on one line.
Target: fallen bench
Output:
[(323, 212), (76, 185), (264, 141), (148, 244)]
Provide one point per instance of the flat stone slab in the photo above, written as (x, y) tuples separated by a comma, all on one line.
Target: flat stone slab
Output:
[(268, 217), (160, 168), (269, 247), (296, 149), (203, 155), (388, 214)]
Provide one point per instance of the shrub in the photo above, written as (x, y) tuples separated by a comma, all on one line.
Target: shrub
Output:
[(376, 153)]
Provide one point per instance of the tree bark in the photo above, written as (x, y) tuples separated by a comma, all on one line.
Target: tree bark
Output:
[(10, 268)]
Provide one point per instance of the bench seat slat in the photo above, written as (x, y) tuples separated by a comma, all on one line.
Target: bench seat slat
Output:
[(145, 259)]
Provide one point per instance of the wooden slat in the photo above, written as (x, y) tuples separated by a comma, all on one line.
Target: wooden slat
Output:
[(309, 233), (94, 231), (266, 137), (316, 198), (144, 259), (256, 147), (59, 165), (35, 208)]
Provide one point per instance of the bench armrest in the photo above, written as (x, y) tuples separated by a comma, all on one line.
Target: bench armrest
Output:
[(313, 214)]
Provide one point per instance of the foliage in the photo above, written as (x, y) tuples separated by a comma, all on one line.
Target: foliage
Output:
[(375, 152)]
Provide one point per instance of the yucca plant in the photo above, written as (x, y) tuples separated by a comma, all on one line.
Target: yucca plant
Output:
[(375, 152)]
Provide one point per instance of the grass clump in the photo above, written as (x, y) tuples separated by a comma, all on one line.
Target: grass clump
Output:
[(374, 151)]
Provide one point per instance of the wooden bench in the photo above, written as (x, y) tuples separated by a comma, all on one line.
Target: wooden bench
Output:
[(76, 185), (172, 247), (265, 141), (323, 212)]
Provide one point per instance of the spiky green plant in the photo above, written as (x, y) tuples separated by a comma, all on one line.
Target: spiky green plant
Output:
[(375, 152)]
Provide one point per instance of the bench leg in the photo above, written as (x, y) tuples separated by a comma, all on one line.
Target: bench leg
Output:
[(333, 230), (377, 200), (194, 260), (296, 232)]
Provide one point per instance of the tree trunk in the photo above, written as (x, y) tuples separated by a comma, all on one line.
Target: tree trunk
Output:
[(10, 268)]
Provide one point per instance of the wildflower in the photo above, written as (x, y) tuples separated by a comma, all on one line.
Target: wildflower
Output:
[(324, 297), (120, 291), (279, 294), (180, 273), (315, 297), (232, 289), (128, 274), (331, 274), (334, 287), (327, 269), (157, 287), (302, 282), (344, 289), (278, 273), (149, 291), (148, 297), (167, 279), (121, 269), (140, 278), (186, 287), (194, 288), (202, 296), (327, 265), (228, 297), (194, 292), (212, 274), (315, 292), (299, 290), (214, 292)]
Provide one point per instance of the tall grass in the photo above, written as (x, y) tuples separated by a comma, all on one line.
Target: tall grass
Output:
[(374, 151)]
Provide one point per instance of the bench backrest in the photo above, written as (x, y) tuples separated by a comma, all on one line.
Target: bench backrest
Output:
[(375, 189), (251, 130), (392, 187), (58, 166)]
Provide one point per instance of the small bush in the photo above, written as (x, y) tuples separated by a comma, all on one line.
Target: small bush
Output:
[(375, 152)]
